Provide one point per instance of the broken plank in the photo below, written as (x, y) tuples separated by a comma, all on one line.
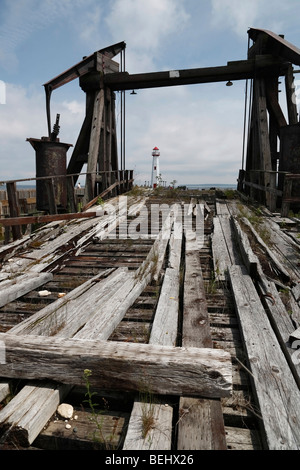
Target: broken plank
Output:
[(276, 389), (117, 365), (11, 289), (27, 422), (277, 266)]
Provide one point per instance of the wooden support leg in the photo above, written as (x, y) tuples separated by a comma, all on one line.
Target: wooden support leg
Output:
[(14, 209)]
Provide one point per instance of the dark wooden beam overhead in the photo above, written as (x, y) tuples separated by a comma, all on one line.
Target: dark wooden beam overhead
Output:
[(276, 45), (238, 70)]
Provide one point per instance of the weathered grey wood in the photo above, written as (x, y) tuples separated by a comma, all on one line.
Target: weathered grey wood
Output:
[(295, 336), (249, 258), (4, 390), (111, 311), (165, 325), (158, 417), (278, 266), (221, 256), (296, 292), (155, 416), (25, 423), (20, 285), (285, 249), (263, 138), (222, 208), (281, 321), (118, 365), (94, 145), (200, 425), (68, 314), (39, 258), (276, 390)]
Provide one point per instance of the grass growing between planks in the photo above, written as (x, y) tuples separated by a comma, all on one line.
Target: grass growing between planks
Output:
[(97, 418)]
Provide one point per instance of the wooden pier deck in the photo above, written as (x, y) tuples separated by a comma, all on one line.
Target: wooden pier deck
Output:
[(191, 345)]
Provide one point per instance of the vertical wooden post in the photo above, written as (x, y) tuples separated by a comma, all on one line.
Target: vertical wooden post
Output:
[(71, 194), (290, 96), (94, 146), (14, 209), (51, 196), (287, 192), (265, 163)]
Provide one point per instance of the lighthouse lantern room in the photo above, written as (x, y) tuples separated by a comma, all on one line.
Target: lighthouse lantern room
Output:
[(155, 167)]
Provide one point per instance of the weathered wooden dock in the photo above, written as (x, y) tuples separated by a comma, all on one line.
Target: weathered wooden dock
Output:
[(190, 346)]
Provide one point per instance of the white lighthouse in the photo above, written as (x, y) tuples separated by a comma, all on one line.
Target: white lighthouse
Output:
[(155, 167)]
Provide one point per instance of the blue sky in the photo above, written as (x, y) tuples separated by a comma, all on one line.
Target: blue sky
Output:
[(198, 128)]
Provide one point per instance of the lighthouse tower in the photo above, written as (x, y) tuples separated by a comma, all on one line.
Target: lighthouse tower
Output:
[(155, 167)]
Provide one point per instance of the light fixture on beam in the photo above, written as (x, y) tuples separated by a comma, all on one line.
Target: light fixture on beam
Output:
[(133, 92), (229, 83)]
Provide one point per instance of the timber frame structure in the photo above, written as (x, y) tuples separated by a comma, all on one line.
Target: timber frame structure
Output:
[(270, 169)]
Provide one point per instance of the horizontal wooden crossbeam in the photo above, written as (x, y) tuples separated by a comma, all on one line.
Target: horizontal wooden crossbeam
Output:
[(238, 70), (39, 219), (116, 365)]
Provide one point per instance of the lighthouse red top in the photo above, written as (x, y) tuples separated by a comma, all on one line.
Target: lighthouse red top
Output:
[(155, 152)]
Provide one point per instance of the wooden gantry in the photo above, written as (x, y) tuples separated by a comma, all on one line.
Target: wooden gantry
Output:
[(270, 162), (272, 166)]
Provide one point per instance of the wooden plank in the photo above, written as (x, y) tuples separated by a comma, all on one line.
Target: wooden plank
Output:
[(149, 427), (197, 412), (66, 316), (281, 321), (14, 288), (277, 265), (221, 256), (27, 421), (249, 258), (85, 433), (120, 366), (165, 325), (69, 313), (4, 390), (39, 219), (276, 390)]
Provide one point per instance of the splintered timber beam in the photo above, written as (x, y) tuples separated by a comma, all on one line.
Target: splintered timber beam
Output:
[(116, 365)]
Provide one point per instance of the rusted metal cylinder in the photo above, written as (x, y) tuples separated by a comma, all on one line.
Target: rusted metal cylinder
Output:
[(51, 161)]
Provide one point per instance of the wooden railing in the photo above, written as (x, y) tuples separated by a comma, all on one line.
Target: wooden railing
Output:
[(17, 212), (270, 194)]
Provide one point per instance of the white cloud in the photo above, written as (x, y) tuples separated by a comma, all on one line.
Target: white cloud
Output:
[(24, 116), (22, 18), (144, 25), (238, 16)]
